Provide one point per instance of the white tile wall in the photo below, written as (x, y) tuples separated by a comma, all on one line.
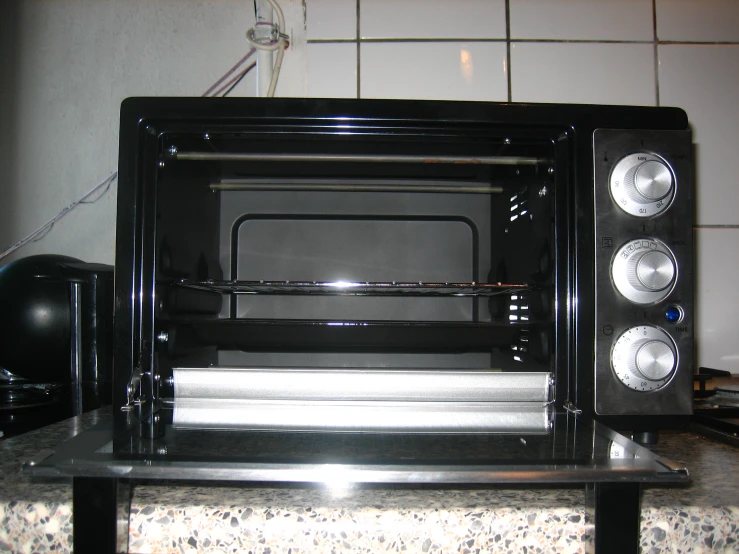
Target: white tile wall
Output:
[(432, 19), (717, 265), (583, 73), (331, 19), (582, 19), (698, 20), (704, 81), (337, 79), (434, 70)]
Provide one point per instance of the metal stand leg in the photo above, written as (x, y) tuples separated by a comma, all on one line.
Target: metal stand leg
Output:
[(616, 510), (101, 509)]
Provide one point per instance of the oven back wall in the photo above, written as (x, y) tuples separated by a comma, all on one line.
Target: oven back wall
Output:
[(65, 66)]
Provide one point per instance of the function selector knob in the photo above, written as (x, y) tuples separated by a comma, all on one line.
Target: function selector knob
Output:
[(644, 271), (644, 358), (642, 184)]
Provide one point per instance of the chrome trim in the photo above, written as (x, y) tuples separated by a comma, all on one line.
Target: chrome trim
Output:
[(75, 340)]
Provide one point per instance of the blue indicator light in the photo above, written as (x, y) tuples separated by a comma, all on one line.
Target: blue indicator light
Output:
[(673, 314)]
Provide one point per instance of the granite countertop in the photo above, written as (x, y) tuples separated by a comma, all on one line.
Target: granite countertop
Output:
[(701, 516)]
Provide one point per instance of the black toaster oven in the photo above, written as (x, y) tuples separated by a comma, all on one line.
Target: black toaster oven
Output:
[(393, 266), (381, 291)]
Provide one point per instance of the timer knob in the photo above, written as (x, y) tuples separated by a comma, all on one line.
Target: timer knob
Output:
[(642, 184), (644, 271), (651, 359), (644, 358)]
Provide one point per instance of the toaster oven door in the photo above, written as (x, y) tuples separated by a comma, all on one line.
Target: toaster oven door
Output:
[(382, 279)]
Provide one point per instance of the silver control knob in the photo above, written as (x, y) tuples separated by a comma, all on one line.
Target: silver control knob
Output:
[(654, 360), (652, 180), (644, 358), (650, 270), (644, 271), (642, 184)]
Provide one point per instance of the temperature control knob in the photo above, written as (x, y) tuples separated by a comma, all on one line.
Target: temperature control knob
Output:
[(644, 358), (642, 184), (644, 271), (649, 181)]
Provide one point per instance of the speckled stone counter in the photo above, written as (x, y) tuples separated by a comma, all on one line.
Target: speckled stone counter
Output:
[(700, 517)]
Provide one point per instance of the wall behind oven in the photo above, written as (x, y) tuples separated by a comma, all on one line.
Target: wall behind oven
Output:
[(65, 66)]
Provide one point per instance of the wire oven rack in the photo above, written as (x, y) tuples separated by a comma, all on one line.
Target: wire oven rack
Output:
[(355, 288)]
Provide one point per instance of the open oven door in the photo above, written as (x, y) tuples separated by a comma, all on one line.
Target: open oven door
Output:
[(548, 445)]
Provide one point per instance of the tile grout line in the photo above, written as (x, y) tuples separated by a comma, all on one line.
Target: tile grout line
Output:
[(472, 39), (698, 42), (508, 47), (530, 40), (359, 63), (656, 54), (717, 226)]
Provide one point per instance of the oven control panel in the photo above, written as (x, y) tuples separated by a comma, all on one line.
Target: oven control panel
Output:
[(643, 272)]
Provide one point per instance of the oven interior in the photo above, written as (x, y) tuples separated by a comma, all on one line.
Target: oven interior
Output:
[(357, 278)]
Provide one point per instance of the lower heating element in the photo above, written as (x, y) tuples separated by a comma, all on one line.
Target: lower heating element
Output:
[(362, 400)]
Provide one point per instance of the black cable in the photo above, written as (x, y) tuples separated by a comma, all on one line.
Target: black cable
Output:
[(247, 70)]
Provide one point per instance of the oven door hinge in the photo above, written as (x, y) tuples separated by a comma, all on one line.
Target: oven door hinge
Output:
[(570, 407), (133, 390), (136, 391)]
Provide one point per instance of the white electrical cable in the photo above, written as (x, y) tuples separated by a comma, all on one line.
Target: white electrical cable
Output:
[(280, 44), (276, 68), (49, 224)]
